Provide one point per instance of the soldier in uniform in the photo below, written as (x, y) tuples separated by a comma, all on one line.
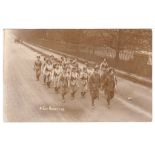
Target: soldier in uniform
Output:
[(37, 67), (56, 76), (103, 74), (104, 64), (48, 72), (84, 81), (69, 68), (51, 58), (94, 84), (43, 69), (64, 83), (110, 83), (73, 82), (75, 63)]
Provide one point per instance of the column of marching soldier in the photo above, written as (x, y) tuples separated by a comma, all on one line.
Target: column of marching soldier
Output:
[(66, 76)]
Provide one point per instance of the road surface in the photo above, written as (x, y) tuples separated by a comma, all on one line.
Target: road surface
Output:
[(28, 100)]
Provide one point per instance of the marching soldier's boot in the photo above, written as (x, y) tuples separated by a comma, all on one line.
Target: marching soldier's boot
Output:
[(84, 93), (55, 88), (58, 88), (48, 84), (63, 97), (108, 100), (93, 103), (36, 76), (44, 79), (72, 95)]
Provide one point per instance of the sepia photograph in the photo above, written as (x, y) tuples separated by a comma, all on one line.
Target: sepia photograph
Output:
[(77, 75)]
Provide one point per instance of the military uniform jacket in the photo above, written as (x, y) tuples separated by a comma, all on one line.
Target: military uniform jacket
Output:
[(94, 81), (64, 80), (37, 64), (110, 82), (73, 78), (84, 78)]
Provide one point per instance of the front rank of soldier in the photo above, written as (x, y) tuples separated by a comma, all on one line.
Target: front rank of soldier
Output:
[(66, 75), (37, 67)]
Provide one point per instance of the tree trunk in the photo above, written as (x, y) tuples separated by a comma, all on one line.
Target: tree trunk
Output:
[(117, 49)]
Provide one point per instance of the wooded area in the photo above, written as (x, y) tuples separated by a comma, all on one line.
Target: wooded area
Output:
[(128, 50), (134, 39)]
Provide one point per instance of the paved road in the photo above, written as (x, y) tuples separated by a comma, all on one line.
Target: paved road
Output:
[(29, 100)]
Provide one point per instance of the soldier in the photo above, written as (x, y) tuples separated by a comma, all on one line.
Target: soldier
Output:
[(84, 81), (56, 76), (48, 72), (51, 58), (110, 83), (94, 84), (103, 74), (104, 64), (64, 83), (37, 67), (69, 73), (43, 69), (73, 82), (75, 63)]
